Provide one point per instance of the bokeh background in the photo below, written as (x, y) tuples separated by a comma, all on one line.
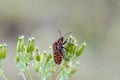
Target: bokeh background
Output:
[(97, 22)]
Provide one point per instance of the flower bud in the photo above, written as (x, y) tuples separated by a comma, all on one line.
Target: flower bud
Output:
[(37, 55), (17, 58), (20, 45), (28, 46), (70, 39), (74, 47), (32, 44), (48, 58), (3, 51), (80, 50), (43, 56), (73, 70)]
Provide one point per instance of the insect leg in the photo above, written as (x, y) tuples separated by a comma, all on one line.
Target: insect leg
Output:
[(64, 57), (64, 42), (64, 48)]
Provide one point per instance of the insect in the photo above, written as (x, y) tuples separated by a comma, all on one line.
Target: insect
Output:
[(59, 49)]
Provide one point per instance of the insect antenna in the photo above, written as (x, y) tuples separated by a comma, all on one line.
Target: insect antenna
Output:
[(67, 34), (60, 33)]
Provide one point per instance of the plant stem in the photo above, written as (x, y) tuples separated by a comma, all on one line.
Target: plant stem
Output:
[(59, 76), (28, 72), (23, 75), (4, 78), (2, 75), (50, 77)]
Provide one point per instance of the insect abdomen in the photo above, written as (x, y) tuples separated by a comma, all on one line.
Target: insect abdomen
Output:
[(58, 58)]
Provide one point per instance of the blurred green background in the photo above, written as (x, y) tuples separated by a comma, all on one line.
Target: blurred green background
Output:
[(97, 22)]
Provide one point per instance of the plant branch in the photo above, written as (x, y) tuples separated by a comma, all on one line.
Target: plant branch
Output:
[(28, 72), (2, 75)]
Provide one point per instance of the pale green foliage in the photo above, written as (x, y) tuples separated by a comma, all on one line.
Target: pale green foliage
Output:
[(3, 53), (43, 64)]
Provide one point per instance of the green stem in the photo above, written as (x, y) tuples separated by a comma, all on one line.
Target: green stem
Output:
[(59, 75), (23, 75), (62, 71), (2, 75), (28, 72), (50, 77), (4, 78)]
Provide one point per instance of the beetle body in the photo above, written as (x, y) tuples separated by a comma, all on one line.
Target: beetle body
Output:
[(59, 49)]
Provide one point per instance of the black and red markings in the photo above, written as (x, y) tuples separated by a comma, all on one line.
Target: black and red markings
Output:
[(59, 49)]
